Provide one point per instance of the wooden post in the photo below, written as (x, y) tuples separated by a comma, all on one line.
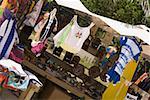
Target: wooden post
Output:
[(26, 95)]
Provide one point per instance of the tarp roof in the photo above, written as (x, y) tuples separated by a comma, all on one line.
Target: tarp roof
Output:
[(140, 31)]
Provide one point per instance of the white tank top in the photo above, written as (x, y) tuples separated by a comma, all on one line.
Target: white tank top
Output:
[(75, 37)]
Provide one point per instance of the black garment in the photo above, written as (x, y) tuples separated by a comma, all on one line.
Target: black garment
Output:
[(75, 60), (57, 51), (95, 43), (68, 57)]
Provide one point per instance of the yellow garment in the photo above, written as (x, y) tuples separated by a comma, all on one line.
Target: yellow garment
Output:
[(119, 91), (4, 4)]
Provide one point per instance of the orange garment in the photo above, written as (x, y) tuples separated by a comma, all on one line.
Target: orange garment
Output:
[(2, 78), (141, 78), (9, 4), (4, 4)]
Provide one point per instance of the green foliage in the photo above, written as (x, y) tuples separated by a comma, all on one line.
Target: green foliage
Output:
[(122, 10)]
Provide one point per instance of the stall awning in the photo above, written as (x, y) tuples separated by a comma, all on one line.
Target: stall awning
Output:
[(140, 31)]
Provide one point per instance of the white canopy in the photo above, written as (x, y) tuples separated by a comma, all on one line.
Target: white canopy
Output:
[(140, 31)]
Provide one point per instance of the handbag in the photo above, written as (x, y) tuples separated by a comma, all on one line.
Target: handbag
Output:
[(36, 49), (17, 53)]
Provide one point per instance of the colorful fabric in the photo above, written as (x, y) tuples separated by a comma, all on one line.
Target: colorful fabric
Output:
[(72, 37), (23, 83), (130, 51), (3, 76), (15, 78), (1, 11), (110, 50), (17, 82), (4, 4), (9, 38), (5, 85), (33, 16)]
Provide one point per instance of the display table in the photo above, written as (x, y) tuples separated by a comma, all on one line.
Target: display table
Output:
[(55, 80)]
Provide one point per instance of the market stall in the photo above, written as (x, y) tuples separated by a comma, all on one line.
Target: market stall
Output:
[(61, 48)]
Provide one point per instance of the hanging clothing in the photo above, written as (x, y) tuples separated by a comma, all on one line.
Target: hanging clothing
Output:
[(9, 4), (32, 17), (72, 36), (32, 6), (6, 15), (130, 50), (9, 37), (17, 53), (38, 46), (38, 28), (21, 15)]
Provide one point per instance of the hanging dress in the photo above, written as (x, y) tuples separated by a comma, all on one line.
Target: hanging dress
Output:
[(72, 36)]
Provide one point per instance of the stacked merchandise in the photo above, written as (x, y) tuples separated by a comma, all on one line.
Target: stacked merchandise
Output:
[(14, 77)]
